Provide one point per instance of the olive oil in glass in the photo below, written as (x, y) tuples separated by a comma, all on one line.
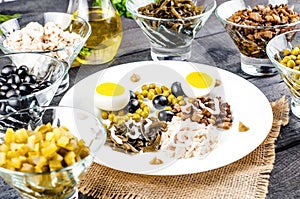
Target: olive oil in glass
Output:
[(105, 39)]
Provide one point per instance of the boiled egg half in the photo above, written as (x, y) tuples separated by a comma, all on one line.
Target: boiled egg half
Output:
[(110, 96), (198, 84)]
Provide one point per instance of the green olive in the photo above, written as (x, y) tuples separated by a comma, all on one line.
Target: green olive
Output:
[(104, 115), (286, 59), (295, 51), (140, 97), (152, 85), (158, 90), (144, 93), (144, 114), (136, 117), (111, 117), (286, 52), (296, 68), (293, 57), (138, 111), (166, 93), (145, 87), (150, 95), (290, 64)]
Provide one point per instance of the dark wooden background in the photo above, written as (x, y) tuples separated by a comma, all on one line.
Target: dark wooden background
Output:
[(212, 46)]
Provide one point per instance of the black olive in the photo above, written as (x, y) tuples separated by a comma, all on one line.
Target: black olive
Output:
[(30, 79), (3, 108), (13, 79), (160, 101), (22, 71), (165, 115), (12, 93), (2, 95), (25, 89), (4, 88), (177, 89), (33, 86), (44, 84), (132, 95), (8, 69), (14, 86), (2, 79), (133, 105)]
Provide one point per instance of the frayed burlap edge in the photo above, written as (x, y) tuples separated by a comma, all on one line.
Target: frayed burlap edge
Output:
[(280, 110), (91, 184)]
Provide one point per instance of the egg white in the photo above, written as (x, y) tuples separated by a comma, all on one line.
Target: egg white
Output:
[(111, 103)]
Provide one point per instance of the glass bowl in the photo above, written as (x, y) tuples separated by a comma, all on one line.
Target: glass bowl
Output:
[(252, 39), (60, 183), (68, 22), (44, 68), (170, 39), (290, 75)]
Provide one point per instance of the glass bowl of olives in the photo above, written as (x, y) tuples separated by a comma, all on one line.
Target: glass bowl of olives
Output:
[(28, 80), (171, 25), (45, 150), (59, 35), (284, 52), (252, 24)]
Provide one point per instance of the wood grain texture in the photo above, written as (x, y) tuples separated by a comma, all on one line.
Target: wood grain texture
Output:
[(212, 46)]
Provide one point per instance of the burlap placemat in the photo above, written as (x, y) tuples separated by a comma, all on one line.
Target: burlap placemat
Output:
[(246, 178)]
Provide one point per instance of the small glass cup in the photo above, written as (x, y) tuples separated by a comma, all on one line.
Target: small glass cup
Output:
[(254, 60), (171, 39), (61, 183), (291, 76)]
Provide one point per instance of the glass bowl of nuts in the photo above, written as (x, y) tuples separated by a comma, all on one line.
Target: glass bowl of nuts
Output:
[(284, 52), (252, 24), (171, 25), (28, 80), (60, 35), (45, 150)]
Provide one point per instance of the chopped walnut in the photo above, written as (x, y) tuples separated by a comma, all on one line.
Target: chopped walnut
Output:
[(252, 41), (242, 127)]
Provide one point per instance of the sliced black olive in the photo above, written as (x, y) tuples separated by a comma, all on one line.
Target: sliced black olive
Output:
[(177, 89), (133, 105), (8, 69), (165, 115), (160, 101)]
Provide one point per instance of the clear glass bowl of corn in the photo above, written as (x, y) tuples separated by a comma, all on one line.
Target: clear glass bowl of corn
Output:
[(45, 150), (284, 52)]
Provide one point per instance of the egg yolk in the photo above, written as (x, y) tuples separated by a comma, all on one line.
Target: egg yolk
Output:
[(199, 79), (110, 89)]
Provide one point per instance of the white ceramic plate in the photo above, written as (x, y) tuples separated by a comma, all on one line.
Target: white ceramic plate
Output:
[(248, 104)]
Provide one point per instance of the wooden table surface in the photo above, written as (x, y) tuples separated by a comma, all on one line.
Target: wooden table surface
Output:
[(212, 46)]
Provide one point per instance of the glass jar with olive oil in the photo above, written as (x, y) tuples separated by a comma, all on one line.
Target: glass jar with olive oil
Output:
[(104, 42)]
